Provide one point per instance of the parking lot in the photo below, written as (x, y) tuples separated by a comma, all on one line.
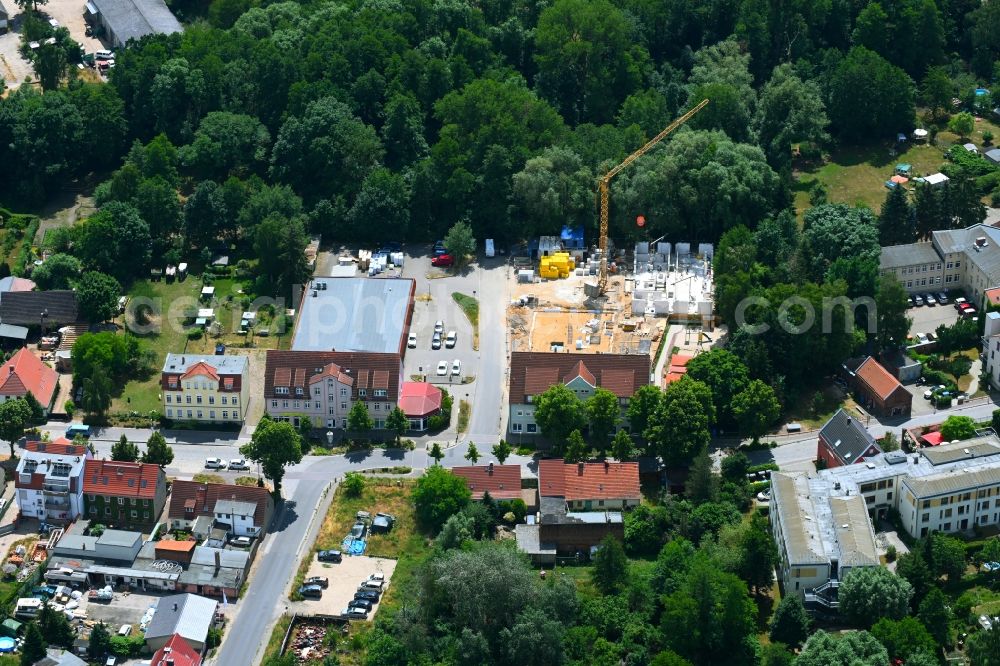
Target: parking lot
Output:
[(434, 303), (345, 578), (927, 318)]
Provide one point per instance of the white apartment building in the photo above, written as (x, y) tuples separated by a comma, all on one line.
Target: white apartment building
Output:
[(964, 259), (823, 524), (49, 480), (204, 388)]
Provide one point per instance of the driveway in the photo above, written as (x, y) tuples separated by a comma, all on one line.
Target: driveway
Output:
[(345, 579), (927, 318)]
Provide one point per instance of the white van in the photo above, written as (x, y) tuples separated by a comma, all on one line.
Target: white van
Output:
[(490, 248)]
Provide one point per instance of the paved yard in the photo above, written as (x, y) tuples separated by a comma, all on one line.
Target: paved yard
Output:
[(69, 13), (927, 318), (125, 608), (13, 68), (345, 578)]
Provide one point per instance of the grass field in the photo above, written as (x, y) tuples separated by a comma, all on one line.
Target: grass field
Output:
[(171, 299), (857, 175)]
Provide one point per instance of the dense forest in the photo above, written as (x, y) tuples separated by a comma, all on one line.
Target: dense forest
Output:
[(396, 118)]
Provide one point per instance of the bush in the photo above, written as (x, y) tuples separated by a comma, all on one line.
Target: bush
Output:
[(214, 638), (763, 467), (128, 647), (437, 422), (890, 553), (354, 484), (195, 333)]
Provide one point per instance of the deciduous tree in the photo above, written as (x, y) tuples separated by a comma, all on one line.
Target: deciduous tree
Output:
[(501, 451), (397, 422), (610, 566), (622, 446), (679, 427), (97, 295), (15, 415), (472, 454), (869, 593), (790, 623), (437, 495), (459, 242), (158, 452), (275, 445), (559, 412), (854, 648), (958, 427), (755, 409), (603, 414), (124, 450)]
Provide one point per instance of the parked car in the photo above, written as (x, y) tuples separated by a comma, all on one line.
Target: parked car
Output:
[(321, 581), (909, 301), (368, 593), (942, 298), (367, 604), (373, 584), (959, 302), (442, 369), (764, 496), (929, 298), (104, 55), (238, 463), (442, 261), (411, 341), (125, 630), (436, 341), (311, 591), (215, 463), (456, 367), (355, 613), (439, 248), (451, 339), (928, 394), (242, 542), (377, 576), (918, 300), (329, 556), (439, 327)]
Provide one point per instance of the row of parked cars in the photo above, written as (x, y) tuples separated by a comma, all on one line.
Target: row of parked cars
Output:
[(928, 299), (219, 463), (366, 597)]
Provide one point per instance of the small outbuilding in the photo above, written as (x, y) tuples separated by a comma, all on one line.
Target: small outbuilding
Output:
[(971, 147), (993, 155)]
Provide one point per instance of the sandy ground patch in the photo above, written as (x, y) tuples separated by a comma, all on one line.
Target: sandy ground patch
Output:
[(345, 578)]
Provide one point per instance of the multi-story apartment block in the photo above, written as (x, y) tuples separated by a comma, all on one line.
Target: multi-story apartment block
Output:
[(206, 389), (532, 373), (323, 386), (821, 523), (49, 481), (967, 259), (124, 493)]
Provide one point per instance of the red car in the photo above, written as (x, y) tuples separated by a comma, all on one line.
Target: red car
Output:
[(442, 260)]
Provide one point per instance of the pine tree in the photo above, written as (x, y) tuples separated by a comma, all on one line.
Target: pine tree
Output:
[(158, 452), (124, 450), (100, 643), (896, 222), (34, 645)]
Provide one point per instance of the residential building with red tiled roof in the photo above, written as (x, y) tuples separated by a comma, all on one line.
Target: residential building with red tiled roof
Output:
[(242, 510), (590, 486), (877, 390), (176, 652), (676, 368), (204, 388), (419, 401), (502, 482), (532, 373), (124, 493), (325, 385), (49, 481), (25, 373)]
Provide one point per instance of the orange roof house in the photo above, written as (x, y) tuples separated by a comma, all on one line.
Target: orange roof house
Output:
[(677, 368), (877, 389), (502, 482), (25, 373), (124, 493), (590, 485), (176, 652)]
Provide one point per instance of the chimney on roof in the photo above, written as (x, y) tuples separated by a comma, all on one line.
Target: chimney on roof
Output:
[(175, 607), (490, 469), (607, 467), (579, 468), (10, 369), (218, 560)]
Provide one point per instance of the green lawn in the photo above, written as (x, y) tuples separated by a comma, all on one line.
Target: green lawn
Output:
[(171, 299), (470, 306), (857, 175)]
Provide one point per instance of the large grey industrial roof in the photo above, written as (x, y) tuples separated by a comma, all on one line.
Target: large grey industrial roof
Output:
[(191, 618), (353, 314), (134, 19), (895, 256), (952, 481), (854, 534), (965, 450), (796, 514)]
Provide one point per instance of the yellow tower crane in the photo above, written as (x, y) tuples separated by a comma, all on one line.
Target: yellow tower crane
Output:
[(602, 279)]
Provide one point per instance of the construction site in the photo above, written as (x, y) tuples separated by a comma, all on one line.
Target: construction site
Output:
[(570, 297)]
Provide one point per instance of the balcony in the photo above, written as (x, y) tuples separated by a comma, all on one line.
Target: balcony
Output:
[(56, 487), (56, 504)]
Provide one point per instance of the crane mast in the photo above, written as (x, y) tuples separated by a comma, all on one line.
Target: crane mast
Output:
[(605, 186)]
